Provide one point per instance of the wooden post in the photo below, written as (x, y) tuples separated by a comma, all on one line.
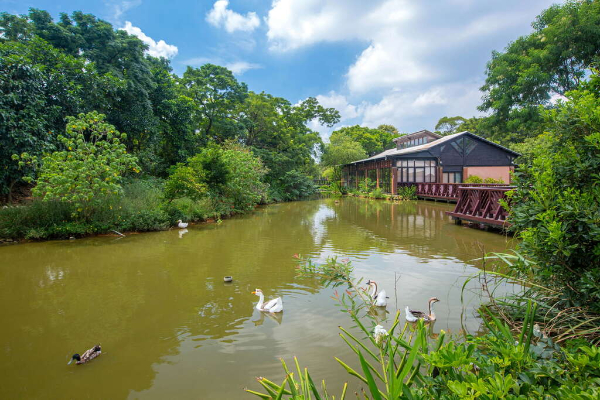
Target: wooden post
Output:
[(394, 180), (377, 177)]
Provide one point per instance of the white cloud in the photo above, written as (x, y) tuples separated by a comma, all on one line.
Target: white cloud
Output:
[(119, 8), (237, 67), (221, 16), (155, 49), (405, 108), (340, 103), (404, 39)]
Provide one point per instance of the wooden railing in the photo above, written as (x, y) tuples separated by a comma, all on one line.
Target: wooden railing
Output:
[(444, 191), (321, 182), (481, 204)]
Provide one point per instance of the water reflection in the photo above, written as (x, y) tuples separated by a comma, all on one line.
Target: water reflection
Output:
[(169, 325)]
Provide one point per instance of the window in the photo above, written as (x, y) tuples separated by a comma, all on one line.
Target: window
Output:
[(452, 177), (417, 170)]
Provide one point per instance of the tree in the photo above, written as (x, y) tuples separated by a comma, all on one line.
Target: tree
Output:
[(216, 94), (278, 133), (549, 62), (39, 87), (449, 125), (245, 187), (555, 207), (341, 150), (373, 141), (90, 167), (389, 129)]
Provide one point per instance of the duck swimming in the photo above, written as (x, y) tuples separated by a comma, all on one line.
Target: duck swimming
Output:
[(89, 355), (182, 225), (413, 316)]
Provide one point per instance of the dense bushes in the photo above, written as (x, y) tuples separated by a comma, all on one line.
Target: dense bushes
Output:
[(556, 207)]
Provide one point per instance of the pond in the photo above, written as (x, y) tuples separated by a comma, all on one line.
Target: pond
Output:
[(171, 328)]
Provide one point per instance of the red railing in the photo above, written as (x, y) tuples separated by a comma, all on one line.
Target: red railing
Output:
[(481, 204), (447, 191)]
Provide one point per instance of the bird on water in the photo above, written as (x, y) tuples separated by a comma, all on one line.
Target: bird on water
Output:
[(88, 356), (413, 316), (273, 306)]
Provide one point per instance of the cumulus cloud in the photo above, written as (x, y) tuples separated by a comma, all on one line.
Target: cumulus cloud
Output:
[(340, 103), (406, 108), (220, 16), (404, 39), (237, 67), (155, 49)]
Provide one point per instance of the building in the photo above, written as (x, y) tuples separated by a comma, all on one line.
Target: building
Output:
[(427, 157)]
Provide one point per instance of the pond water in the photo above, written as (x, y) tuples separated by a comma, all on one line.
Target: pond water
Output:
[(171, 328)]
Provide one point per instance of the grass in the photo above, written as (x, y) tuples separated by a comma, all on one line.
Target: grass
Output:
[(140, 208)]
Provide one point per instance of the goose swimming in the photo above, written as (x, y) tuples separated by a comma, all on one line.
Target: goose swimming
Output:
[(273, 306), (413, 316)]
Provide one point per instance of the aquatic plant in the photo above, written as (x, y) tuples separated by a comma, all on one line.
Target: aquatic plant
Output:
[(409, 363)]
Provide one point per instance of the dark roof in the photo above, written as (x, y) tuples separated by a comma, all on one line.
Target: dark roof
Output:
[(427, 146)]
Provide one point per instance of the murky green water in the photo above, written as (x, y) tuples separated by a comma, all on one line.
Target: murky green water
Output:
[(170, 327)]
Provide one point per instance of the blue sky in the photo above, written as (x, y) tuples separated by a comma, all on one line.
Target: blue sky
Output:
[(400, 62)]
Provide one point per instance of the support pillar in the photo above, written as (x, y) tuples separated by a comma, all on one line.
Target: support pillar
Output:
[(394, 185)]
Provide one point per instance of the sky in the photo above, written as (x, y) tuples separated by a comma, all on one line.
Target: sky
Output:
[(401, 62)]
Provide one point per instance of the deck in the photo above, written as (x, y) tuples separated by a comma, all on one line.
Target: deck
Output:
[(445, 191), (481, 205)]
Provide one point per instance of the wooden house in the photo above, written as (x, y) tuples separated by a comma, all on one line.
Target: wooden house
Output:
[(425, 157)]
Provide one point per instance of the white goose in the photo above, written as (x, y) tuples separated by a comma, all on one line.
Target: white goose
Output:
[(413, 316), (379, 299), (181, 224), (273, 306)]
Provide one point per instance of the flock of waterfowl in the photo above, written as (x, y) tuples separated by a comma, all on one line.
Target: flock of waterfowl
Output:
[(379, 299)]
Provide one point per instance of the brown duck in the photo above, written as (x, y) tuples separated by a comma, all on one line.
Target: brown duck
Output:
[(89, 355)]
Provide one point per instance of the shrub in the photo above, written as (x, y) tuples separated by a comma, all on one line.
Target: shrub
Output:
[(245, 188), (407, 192), (90, 167), (555, 207), (492, 180), (474, 179), (377, 194), (366, 186), (296, 185)]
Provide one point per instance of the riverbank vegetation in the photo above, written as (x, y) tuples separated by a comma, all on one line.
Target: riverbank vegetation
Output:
[(184, 147), (410, 361)]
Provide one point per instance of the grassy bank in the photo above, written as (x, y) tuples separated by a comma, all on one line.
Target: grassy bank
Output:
[(142, 207)]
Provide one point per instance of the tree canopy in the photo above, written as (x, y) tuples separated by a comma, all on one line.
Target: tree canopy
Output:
[(536, 68)]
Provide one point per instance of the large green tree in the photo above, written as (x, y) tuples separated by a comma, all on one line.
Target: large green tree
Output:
[(555, 208), (278, 132), (39, 87), (217, 95), (550, 61), (373, 141), (342, 149)]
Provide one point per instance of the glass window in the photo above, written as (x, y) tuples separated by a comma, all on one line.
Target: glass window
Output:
[(419, 174), (419, 163), (469, 145), (404, 174), (411, 175)]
